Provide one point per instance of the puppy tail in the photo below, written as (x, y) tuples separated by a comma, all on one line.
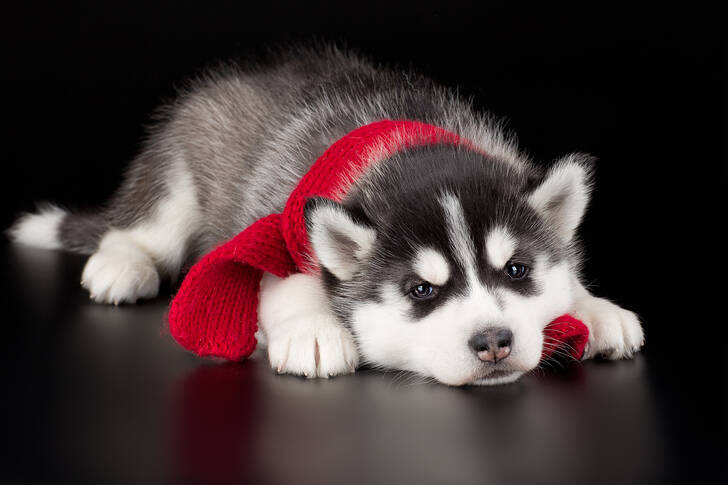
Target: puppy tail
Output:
[(52, 227)]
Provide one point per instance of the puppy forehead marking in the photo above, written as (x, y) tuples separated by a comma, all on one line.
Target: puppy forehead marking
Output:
[(499, 246), (459, 235), (432, 266)]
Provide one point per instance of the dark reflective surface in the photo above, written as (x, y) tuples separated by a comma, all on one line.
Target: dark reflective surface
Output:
[(98, 393)]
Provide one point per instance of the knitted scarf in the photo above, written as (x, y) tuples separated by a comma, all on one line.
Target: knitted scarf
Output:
[(214, 313)]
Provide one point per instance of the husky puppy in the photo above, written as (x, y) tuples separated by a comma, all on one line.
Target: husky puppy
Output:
[(445, 262)]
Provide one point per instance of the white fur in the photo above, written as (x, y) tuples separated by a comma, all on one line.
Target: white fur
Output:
[(563, 196), (434, 346), (614, 332), (432, 267), (39, 230), (496, 381), (120, 271), (126, 265), (328, 225), (528, 315), (499, 247), (303, 336), (437, 345), (460, 240), (176, 218)]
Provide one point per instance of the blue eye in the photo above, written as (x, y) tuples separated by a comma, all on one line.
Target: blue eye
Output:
[(422, 291), (516, 271)]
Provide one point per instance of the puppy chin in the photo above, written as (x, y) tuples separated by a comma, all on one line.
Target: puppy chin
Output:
[(493, 378), (500, 378)]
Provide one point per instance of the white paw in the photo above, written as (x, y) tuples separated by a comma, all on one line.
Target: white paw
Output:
[(614, 333), (118, 276), (312, 346)]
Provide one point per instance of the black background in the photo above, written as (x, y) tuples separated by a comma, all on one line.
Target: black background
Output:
[(641, 88)]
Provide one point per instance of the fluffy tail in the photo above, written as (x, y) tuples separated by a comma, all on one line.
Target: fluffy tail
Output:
[(54, 228)]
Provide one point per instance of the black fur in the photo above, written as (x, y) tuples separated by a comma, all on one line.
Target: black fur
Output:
[(402, 203)]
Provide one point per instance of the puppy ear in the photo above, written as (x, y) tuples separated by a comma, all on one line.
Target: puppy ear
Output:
[(563, 195), (339, 239)]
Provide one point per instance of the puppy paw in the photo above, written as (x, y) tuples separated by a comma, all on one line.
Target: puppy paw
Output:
[(614, 333), (312, 346), (120, 276)]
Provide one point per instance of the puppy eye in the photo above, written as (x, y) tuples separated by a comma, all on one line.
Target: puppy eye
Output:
[(423, 291), (516, 271)]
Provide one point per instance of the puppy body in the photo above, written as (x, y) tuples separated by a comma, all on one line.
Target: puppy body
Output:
[(438, 261)]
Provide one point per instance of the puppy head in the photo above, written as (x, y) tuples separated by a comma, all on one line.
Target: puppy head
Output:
[(451, 272)]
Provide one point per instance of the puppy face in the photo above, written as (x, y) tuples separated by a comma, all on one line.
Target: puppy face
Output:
[(454, 273)]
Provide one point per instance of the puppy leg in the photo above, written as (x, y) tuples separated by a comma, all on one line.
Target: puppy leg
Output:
[(303, 336), (614, 332), (127, 263), (120, 271)]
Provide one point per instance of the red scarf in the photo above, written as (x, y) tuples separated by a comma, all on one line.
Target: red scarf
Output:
[(215, 311)]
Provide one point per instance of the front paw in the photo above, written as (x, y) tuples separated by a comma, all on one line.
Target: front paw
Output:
[(312, 346), (614, 333)]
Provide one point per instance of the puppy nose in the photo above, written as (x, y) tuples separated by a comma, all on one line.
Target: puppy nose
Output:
[(492, 345)]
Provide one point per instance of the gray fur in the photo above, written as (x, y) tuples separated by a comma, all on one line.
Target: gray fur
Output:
[(248, 134)]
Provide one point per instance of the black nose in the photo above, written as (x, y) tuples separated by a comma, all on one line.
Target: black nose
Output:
[(493, 344)]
